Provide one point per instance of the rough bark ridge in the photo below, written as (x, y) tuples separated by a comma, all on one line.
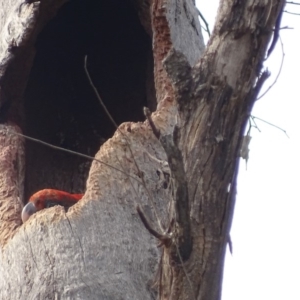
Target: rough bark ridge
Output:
[(19, 25), (11, 181), (214, 98), (99, 249)]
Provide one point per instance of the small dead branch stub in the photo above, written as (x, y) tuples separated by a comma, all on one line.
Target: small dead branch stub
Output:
[(182, 229)]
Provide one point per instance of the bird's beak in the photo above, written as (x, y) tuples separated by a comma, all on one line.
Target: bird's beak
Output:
[(28, 210)]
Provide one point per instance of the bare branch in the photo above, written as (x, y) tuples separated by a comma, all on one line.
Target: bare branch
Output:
[(147, 114), (291, 13), (286, 27), (260, 81), (255, 125), (97, 94), (275, 34), (282, 60), (291, 2), (271, 124), (71, 152), (230, 244), (205, 22), (180, 190), (147, 225), (185, 273), (127, 142)]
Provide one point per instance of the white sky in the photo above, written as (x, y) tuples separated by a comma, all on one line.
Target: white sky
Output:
[(265, 233)]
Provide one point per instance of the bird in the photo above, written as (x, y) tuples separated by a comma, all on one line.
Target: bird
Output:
[(47, 198)]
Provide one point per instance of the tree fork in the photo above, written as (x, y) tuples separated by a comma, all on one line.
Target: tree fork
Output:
[(204, 100), (214, 100)]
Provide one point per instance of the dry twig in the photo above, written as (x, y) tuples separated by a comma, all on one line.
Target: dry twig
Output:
[(205, 22), (281, 65), (127, 142)]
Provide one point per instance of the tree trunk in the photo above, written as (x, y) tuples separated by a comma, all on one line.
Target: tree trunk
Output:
[(169, 181)]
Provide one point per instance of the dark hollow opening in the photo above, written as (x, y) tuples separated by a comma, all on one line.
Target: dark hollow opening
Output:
[(60, 105)]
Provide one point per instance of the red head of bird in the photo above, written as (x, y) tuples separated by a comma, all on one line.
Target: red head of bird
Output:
[(47, 198)]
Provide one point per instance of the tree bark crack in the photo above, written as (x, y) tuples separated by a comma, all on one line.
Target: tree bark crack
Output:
[(31, 251), (77, 238)]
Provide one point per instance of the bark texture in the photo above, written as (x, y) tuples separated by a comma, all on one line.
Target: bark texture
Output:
[(12, 159), (215, 98), (183, 178), (19, 25)]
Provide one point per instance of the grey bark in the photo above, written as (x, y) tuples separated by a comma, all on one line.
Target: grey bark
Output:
[(100, 249)]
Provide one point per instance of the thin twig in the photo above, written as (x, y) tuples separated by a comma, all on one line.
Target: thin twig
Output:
[(180, 190), (71, 152), (185, 272), (147, 225), (260, 82), (250, 126), (271, 124), (163, 239), (133, 188), (203, 28), (172, 155), (291, 2), (151, 123), (97, 94), (255, 125), (279, 72), (276, 33), (205, 22), (291, 13), (286, 27), (230, 244), (126, 139)]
